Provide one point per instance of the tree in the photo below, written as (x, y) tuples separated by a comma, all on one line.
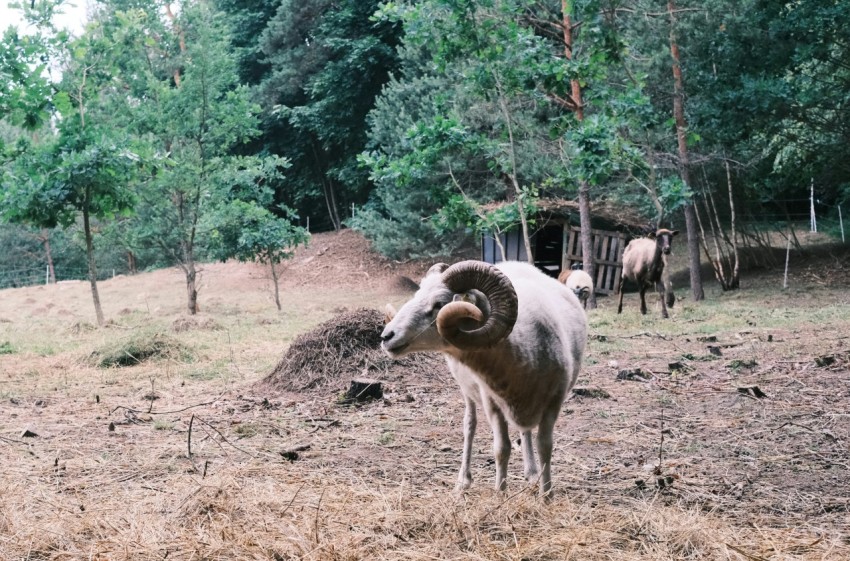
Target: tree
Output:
[(185, 100), (480, 136), (327, 62), (684, 163), (84, 173), (249, 232), (25, 89)]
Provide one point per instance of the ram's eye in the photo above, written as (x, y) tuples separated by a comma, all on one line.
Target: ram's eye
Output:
[(436, 307)]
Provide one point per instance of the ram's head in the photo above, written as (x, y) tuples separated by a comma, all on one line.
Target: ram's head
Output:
[(468, 306)]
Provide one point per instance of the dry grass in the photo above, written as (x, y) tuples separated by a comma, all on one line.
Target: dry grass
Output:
[(205, 462)]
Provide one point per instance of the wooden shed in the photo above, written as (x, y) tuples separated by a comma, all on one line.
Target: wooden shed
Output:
[(556, 241)]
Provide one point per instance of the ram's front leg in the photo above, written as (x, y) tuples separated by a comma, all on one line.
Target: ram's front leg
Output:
[(662, 296), (470, 420)]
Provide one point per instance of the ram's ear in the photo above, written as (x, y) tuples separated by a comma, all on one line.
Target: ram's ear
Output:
[(389, 313), (437, 269), (674, 232)]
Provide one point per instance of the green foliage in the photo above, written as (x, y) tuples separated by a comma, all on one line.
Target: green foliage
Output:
[(476, 120), (461, 212), (250, 232), (25, 87), (24, 90), (594, 147), (428, 117), (674, 194), (49, 185), (327, 62)]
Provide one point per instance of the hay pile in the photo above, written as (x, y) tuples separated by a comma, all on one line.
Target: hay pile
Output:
[(139, 348), (346, 347)]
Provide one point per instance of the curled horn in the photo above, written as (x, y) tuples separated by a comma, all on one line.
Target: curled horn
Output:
[(498, 290)]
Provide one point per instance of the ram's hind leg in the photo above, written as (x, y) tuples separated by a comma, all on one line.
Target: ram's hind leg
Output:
[(643, 299), (620, 290), (470, 420), (544, 448), (528, 462), (501, 442)]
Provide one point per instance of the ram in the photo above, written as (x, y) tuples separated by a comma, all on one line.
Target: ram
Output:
[(644, 260), (579, 282), (513, 339)]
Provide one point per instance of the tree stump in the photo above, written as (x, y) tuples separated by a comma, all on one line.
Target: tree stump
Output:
[(364, 389)]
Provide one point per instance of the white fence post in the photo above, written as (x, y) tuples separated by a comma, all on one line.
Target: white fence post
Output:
[(841, 223), (814, 220)]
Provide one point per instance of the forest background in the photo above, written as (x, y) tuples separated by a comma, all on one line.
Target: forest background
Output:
[(173, 133)]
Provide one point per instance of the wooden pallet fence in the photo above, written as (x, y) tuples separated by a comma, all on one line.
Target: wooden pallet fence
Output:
[(608, 250)]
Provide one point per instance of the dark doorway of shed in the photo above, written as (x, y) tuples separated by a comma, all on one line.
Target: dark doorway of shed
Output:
[(549, 249)]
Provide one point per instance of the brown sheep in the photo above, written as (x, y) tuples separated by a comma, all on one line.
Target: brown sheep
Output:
[(643, 263)]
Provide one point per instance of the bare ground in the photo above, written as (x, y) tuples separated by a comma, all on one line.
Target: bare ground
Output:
[(719, 434)]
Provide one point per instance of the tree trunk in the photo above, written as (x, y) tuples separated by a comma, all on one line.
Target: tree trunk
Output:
[(51, 271), (181, 37), (276, 287), (90, 257), (735, 281), (131, 263), (587, 256), (188, 266), (526, 237), (681, 136), (652, 187), (327, 188), (333, 207), (191, 289), (498, 239)]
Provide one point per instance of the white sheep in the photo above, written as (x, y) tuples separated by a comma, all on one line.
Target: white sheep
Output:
[(513, 339), (579, 282), (643, 262)]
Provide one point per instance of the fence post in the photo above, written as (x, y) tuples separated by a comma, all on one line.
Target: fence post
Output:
[(841, 223), (47, 274), (814, 220)]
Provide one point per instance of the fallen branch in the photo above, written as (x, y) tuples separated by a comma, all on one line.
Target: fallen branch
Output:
[(131, 410), (224, 438)]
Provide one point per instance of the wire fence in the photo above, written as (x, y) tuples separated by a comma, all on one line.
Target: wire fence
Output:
[(31, 276)]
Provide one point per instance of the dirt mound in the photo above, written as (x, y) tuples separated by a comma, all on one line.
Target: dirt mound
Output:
[(345, 347), (345, 259)]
